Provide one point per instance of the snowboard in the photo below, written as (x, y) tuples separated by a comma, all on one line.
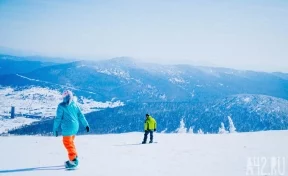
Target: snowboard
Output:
[(71, 168), (150, 143)]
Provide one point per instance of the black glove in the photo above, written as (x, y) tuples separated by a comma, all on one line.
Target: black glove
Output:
[(155, 129), (87, 128)]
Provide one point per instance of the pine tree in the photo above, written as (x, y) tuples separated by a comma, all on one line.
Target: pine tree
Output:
[(190, 130), (232, 128), (181, 128), (200, 131), (222, 129)]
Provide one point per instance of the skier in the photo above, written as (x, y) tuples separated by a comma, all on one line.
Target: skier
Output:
[(68, 116), (149, 127)]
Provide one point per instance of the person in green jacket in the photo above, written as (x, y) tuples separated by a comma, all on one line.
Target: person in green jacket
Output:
[(149, 127), (68, 115)]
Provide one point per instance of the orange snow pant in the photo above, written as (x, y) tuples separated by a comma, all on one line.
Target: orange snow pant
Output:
[(68, 142)]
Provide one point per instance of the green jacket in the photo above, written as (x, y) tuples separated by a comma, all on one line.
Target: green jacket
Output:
[(68, 117), (150, 123)]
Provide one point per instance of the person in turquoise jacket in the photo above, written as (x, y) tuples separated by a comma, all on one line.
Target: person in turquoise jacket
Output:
[(68, 115)]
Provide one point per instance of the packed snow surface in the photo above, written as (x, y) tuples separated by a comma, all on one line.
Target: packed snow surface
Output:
[(236, 154)]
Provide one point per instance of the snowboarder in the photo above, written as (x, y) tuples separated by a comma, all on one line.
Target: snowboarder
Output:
[(68, 116), (149, 127)]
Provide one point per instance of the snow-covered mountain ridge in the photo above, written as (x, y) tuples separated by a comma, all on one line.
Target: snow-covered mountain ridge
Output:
[(203, 97)]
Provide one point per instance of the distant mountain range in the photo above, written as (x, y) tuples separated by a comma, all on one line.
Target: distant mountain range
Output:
[(127, 80), (248, 112), (12, 65), (202, 96)]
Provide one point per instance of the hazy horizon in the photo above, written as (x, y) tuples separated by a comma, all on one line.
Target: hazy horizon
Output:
[(246, 35)]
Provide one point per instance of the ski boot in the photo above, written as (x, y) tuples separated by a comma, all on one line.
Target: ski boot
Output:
[(71, 164)]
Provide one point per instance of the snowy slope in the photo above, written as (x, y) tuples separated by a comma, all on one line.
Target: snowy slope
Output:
[(43, 102), (40, 103), (7, 124), (175, 154)]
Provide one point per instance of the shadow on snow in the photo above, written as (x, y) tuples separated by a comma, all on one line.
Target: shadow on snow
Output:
[(119, 145), (60, 167)]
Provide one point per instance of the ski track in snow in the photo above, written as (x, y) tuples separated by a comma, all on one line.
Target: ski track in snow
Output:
[(122, 155)]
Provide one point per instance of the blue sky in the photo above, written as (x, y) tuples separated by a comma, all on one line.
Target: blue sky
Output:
[(242, 34)]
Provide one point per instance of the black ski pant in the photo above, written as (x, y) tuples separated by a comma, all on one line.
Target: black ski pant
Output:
[(146, 135)]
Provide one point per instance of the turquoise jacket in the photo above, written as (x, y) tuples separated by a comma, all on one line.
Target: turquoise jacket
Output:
[(68, 116)]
